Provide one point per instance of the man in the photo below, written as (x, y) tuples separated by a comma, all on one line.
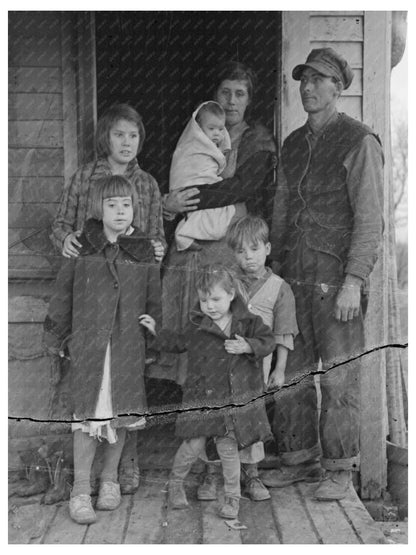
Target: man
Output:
[(327, 227)]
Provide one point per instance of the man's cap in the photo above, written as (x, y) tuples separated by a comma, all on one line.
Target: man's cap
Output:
[(327, 62)]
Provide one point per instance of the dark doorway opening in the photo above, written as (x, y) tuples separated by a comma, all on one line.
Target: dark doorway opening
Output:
[(164, 64)]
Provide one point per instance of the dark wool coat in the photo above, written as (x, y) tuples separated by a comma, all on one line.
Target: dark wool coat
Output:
[(99, 296), (220, 383)]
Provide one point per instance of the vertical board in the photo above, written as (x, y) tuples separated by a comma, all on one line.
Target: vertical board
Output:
[(376, 114)]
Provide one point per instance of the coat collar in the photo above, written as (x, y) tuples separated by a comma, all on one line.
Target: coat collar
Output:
[(137, 245), (239, 313)]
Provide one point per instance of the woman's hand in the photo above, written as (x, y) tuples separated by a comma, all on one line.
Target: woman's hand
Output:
[(180, 201), (69, 249), (238, 346), (148, 322), (158, 249)]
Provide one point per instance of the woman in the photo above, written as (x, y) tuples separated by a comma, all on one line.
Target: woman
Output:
[(247, 183)]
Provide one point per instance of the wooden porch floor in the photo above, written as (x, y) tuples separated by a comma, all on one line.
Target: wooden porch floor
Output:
[(290, 517)]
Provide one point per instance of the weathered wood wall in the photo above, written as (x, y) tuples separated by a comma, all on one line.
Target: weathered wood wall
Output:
[(42, 99)]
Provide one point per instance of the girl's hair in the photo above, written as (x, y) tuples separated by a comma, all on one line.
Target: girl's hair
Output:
[(210, 107), (236, 71), (249, 229), (109, 118), (107, 187), (210, 275)]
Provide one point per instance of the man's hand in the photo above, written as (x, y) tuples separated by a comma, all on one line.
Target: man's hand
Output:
[(158, 249), (237, 346), (180, 201), (347, 303), (69, 249)]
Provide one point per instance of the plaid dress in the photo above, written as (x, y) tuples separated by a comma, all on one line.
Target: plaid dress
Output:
[(75, 201)]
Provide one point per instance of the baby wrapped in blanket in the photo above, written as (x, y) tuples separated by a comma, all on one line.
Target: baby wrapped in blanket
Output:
[(199, 159)]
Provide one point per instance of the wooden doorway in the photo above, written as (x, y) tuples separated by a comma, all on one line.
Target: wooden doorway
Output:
[(164, 64)]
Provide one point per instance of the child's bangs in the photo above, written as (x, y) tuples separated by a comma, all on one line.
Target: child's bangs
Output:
[(116, 188)]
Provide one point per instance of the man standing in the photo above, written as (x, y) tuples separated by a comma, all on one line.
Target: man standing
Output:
[(327, 227)]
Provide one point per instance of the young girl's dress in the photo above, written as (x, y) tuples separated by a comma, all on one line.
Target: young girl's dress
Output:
[(94, 310)]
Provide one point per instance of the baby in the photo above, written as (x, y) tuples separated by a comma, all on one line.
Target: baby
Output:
[(199, 159)]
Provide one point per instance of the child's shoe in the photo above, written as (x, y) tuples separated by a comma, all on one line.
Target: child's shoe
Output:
[(177, 495), (109, 496), (80, 509), (207, 491), (256, 490), (230, 508)]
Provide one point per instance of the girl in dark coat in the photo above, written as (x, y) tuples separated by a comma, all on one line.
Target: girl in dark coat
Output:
[(97, 299), (224, 385)]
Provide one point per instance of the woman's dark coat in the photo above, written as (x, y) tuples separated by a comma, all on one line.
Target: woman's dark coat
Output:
[(99, 296), (219, 383)]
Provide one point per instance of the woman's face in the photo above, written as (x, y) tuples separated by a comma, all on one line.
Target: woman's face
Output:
[(234, 98)]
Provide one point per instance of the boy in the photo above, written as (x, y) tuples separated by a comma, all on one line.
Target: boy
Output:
[(270, 297)]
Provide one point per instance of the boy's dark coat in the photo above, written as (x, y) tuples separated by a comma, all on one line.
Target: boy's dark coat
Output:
[(97, 296), (218, 379)]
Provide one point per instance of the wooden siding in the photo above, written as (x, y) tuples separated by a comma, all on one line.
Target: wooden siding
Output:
[(36, 147)]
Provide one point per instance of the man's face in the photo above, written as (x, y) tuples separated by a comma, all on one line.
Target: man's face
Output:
[(318, 93)]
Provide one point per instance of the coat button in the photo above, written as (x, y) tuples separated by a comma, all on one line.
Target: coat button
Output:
[(115, 285)]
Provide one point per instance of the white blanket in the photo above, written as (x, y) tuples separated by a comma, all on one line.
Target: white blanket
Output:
[(198, 161)]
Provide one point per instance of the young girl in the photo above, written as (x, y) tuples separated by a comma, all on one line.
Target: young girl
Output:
[(199, 158), (94, 309), (119, 139), (225, 344)]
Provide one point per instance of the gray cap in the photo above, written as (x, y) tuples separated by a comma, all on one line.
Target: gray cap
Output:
[(327, 62)]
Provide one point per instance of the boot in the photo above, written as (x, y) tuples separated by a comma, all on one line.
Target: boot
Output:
[(177, 495)]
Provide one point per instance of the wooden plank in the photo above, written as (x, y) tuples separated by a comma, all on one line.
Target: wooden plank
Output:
[(35, 215), (35, 80), (47, 516), (30, 266), (36, 51), (146, 518), (69, 94), (369, 531), (215, 530), (109, 527), (351, 105), (36, 162), (35, 106), (36, 24), (35, 189), (258, 517), (328, 518), (348, 28), (376, 114), (35, 134), (87, 86), (28, 521), (294, 24), (27, 309), (25, 340), (185, 526), (292, 518), (352, 51), (64, 530), (29, 388)]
